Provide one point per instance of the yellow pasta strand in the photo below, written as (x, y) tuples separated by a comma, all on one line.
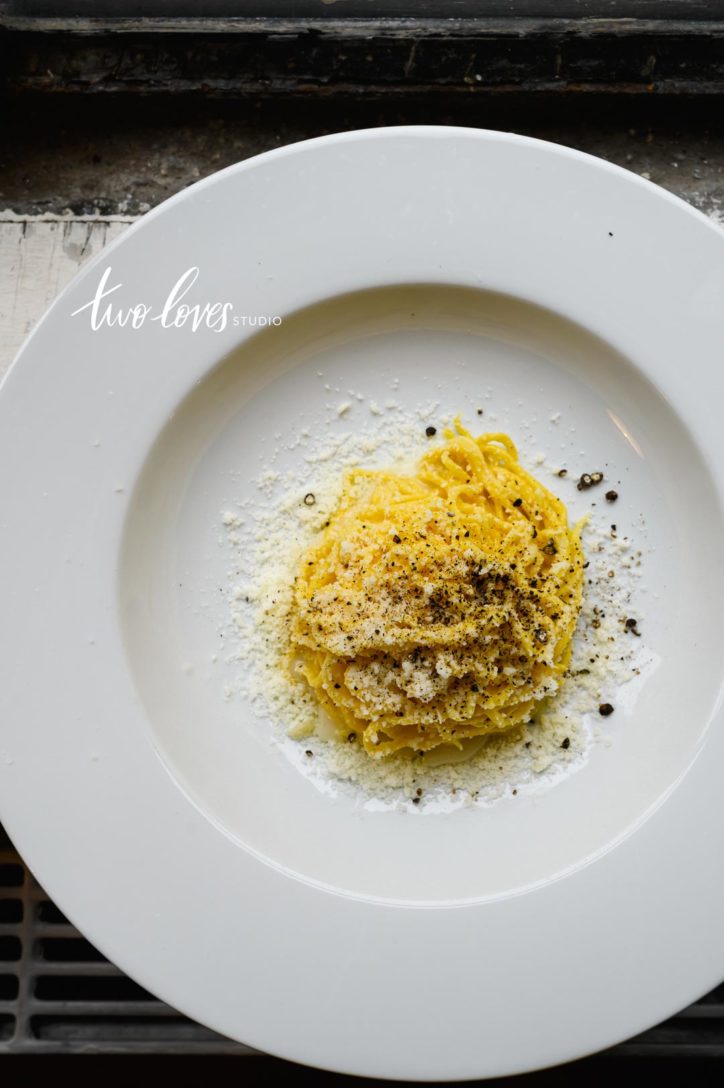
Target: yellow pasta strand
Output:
[(438, 606)]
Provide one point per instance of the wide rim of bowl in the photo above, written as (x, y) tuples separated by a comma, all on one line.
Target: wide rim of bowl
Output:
[(70, 746)]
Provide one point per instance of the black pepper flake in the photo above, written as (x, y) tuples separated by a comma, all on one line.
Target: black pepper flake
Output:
[(566, 742), (309, 752), (337, 686), (480, 411), (474, 687), (518, 502), (589, 479), (430, 431), (351, 737), (605, 709), (611, 496), (562, 472), (397, 539), (309, 499), (550, 548), (416, 800)]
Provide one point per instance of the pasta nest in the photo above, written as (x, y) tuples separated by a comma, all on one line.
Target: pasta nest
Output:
[(438, 606)]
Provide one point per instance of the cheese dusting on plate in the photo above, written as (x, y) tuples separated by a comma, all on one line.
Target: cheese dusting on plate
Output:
[(477, 761)]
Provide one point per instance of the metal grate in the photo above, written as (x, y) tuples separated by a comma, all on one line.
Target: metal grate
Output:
[(59, 995)]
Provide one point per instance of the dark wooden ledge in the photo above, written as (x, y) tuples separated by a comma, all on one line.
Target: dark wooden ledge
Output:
[(321, 52)]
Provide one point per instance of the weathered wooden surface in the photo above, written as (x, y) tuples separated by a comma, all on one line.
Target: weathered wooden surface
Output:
[(234, 11), (37, 259), (542, 47), (121, 156)]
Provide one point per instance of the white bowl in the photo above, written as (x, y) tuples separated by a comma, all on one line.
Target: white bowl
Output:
[(476, 943)]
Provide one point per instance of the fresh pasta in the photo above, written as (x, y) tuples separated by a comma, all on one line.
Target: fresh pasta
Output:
[(438, 606)]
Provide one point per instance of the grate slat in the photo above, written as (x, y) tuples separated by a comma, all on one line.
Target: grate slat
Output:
[(56, 929), (74, 969), (702, 1012), (146, 1009)]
